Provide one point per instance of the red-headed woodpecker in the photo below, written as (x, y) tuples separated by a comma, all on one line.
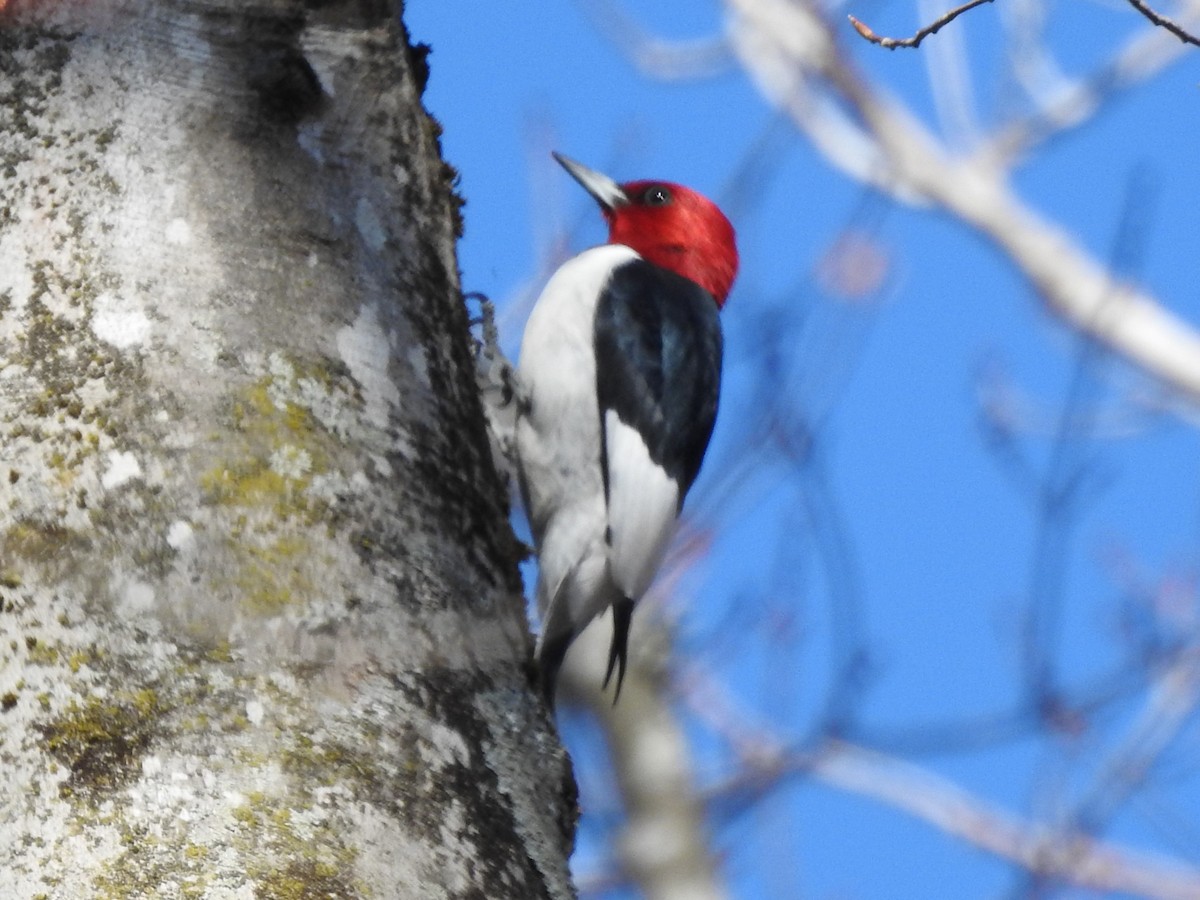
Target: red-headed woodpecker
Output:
[(621, 367)]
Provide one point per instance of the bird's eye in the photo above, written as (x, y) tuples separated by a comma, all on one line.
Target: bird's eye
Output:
[(656, 195)]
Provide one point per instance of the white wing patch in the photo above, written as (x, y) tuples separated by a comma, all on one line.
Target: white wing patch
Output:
[(643, 502)]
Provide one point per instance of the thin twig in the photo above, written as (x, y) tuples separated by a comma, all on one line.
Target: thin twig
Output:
[(1163, 22), (931, 28)]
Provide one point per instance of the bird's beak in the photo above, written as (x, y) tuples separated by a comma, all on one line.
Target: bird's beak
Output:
[(606, 191)]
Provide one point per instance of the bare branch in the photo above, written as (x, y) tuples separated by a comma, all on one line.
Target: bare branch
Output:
[(1073, 857), (1143, 57), (1072, 282), (1070, 856), (665, 848), (1168, 708), (949, 71), (1163, 22), (932, 28), (658, 57)]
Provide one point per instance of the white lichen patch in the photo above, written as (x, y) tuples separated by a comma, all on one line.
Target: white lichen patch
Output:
[(366, 219), (309, 139), (180, 536), (330, 488), (15, 279), (366, 350), (290, 461), (121, 468), (135, 598), (331, 408), (280, 367), (169, 785), (420, 365), (120, 321), (94, 392), (449, 742), (255, 711), (178, 232), (281, 380)]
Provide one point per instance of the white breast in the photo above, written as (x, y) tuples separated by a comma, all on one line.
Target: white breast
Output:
[(558, 441)]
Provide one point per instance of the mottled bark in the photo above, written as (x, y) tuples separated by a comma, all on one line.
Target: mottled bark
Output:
[(261, 631)]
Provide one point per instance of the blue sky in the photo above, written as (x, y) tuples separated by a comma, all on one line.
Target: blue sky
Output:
[(940, 533)]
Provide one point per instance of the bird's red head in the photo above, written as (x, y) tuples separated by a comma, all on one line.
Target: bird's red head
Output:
[(670, 225)]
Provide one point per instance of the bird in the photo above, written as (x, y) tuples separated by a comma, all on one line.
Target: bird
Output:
[(620, 371)]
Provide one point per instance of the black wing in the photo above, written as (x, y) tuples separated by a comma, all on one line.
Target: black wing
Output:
[(658, 364)]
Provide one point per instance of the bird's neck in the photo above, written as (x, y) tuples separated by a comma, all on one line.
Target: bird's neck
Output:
[(707, 267)]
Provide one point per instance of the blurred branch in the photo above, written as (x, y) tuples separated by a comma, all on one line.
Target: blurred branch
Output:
[(1030, 63), (790, 37), (1061, 492), (950, 77), (914, 41), (971, 733), (1172, 701), (664, 847), (849, 654), (1071, 857), (656, 57), (1163, 22), (1143, 57), (779, 63), (792, 52), (1170, 704)]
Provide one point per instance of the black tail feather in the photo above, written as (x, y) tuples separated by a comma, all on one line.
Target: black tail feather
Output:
[(618, 651)]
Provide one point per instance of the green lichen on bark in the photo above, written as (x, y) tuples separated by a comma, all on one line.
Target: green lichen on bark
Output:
[(60, 414), (292, 861), (229, 538), (101, 740), (275, 479), (285, 428), (138, 873)]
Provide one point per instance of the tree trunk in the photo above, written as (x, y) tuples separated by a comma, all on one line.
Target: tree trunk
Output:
[(261, 631)]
